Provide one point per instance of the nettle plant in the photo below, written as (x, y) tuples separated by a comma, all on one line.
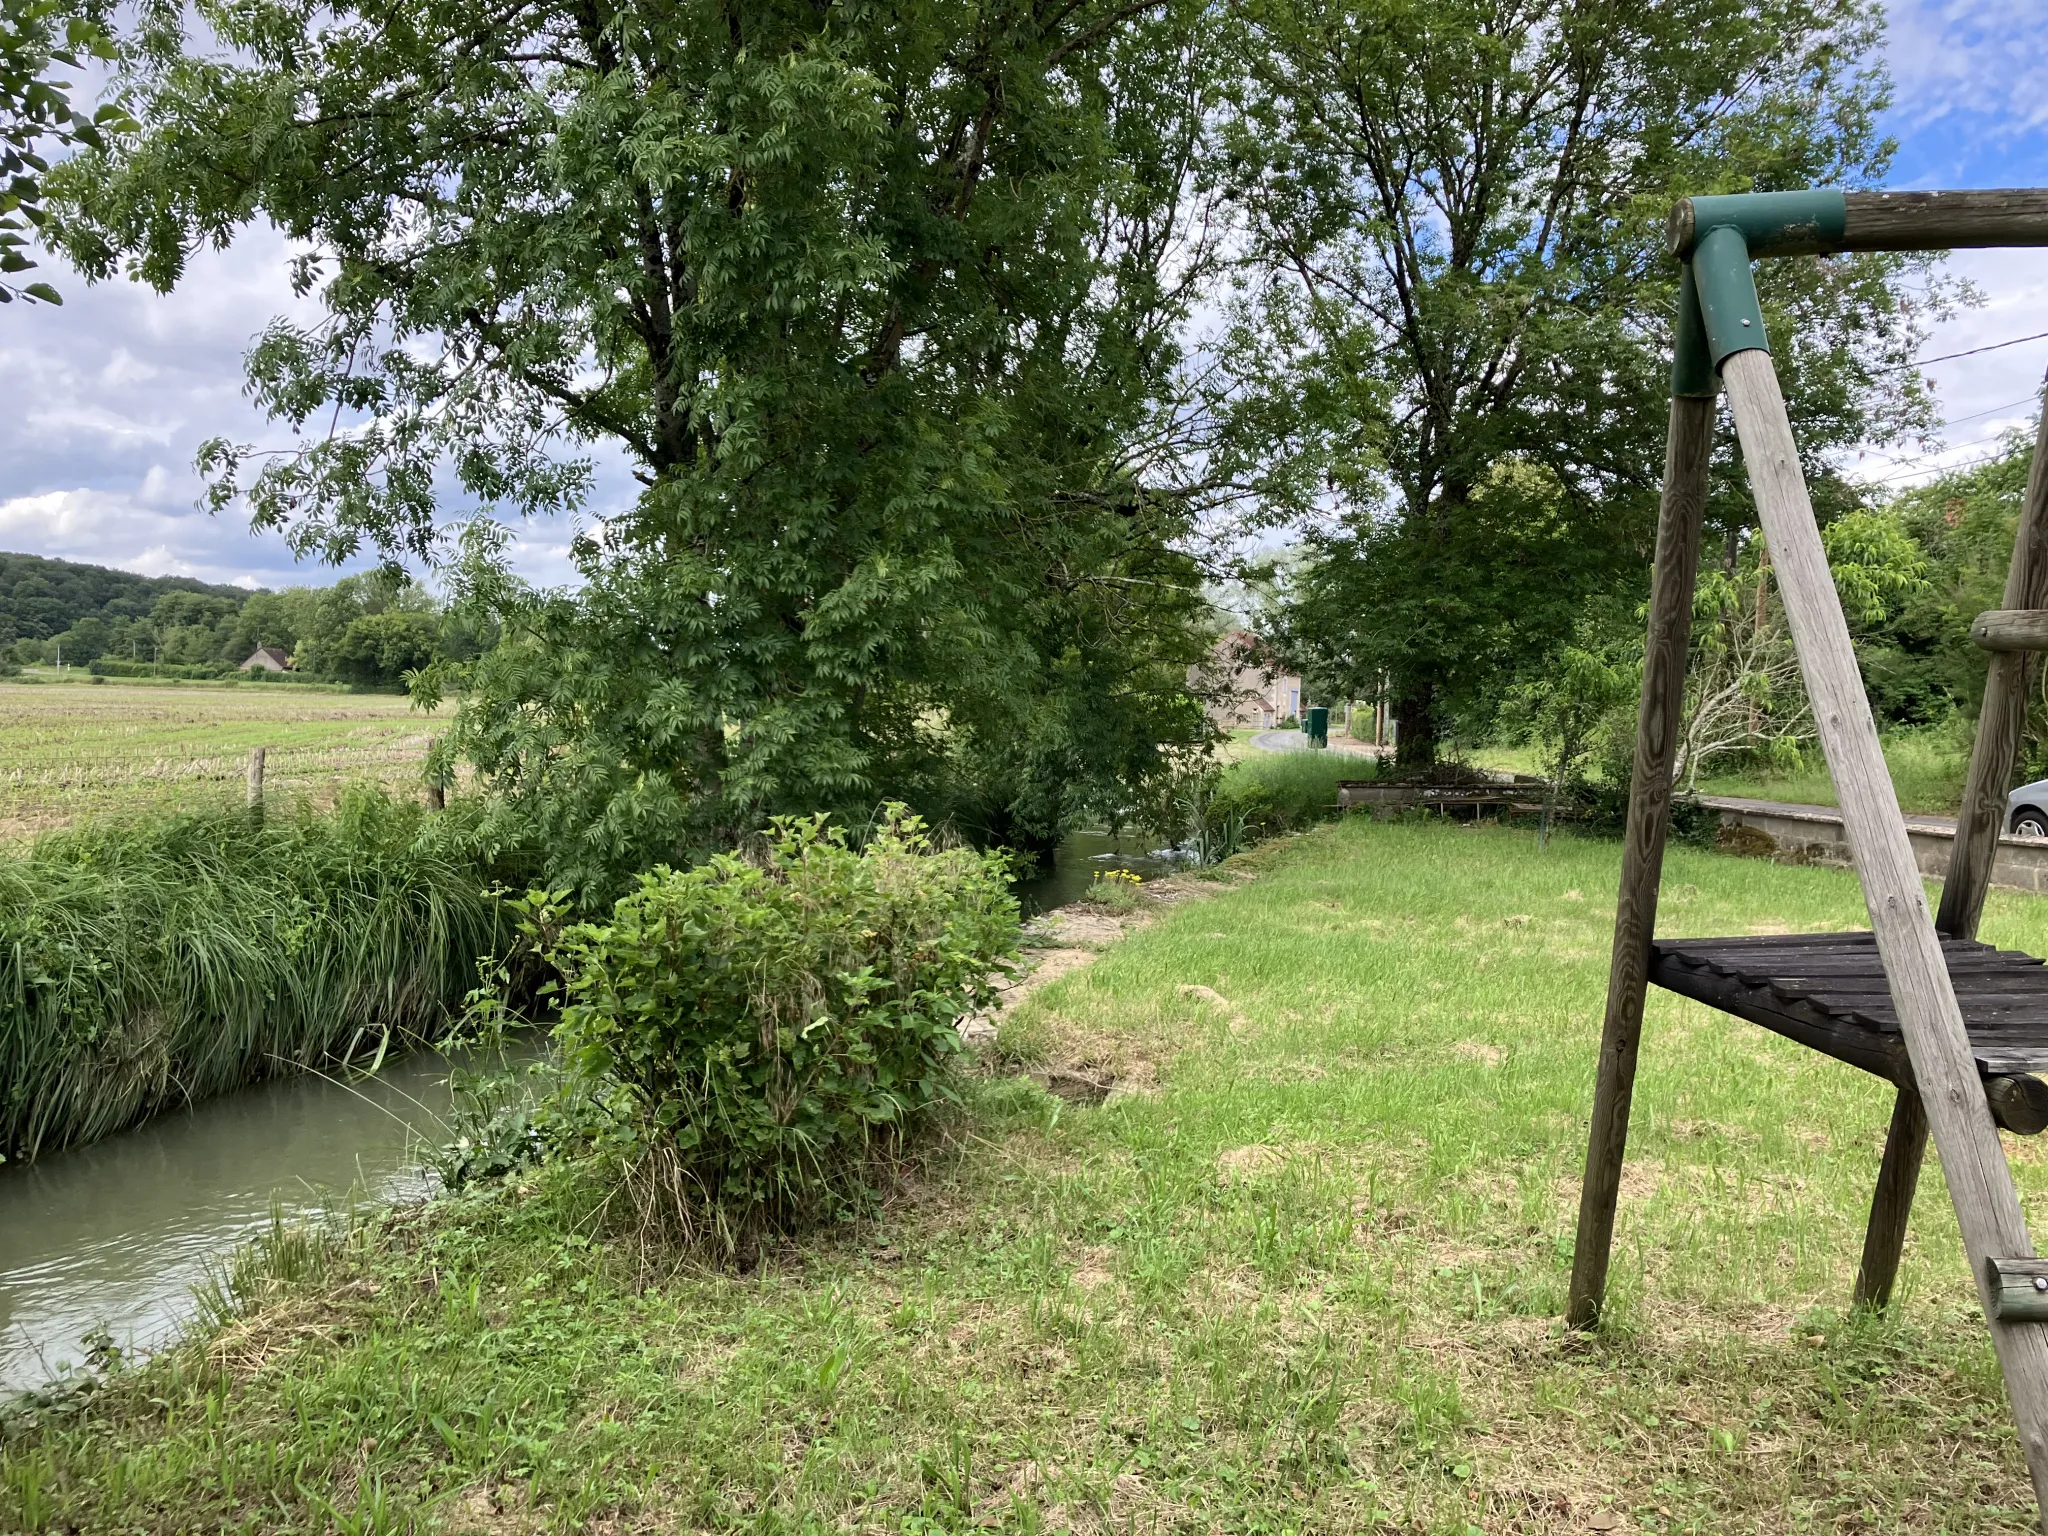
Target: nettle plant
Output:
[(776, 1025)]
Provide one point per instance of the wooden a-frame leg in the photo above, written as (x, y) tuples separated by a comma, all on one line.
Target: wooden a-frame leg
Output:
[(1978, 828), (1972, 1161), (1905, 1144), (2001, 720), (1688, 445)]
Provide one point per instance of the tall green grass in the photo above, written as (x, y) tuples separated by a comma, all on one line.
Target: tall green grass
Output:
[(1287, 791), (153, 962)]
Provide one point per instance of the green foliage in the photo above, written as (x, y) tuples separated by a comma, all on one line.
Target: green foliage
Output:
[(1917, 658), (1574, 709), (113, 666), (1456, 214), (1116, 890), (777, 1023), (155, 962), (1212, 812), (1876, 564), (36, 115), (878, 302)]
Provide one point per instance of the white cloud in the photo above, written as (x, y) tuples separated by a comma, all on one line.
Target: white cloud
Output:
[(112, 394), (1979, 61)]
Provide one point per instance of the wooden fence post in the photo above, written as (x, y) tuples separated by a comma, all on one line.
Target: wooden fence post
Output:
[(256, 780)]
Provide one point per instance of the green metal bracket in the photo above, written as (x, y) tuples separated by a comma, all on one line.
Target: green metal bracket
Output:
[(1692, 365), (1727, 294), (1770, 223)]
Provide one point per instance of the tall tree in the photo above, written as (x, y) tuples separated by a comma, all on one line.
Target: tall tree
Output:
[(1454, 212), (875, 299)]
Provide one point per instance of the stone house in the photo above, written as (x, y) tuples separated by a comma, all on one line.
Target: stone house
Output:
[(1254, 692)]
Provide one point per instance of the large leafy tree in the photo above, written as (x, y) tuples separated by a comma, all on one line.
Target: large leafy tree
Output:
[(874, 298), (1454, 212)]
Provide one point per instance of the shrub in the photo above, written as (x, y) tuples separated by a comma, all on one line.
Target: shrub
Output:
[(779, 1023), (155, 962)]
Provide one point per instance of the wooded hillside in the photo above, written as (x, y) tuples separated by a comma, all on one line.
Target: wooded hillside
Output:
[(40, 597)]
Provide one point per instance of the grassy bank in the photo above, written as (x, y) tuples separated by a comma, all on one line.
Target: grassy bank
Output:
[(161, 960), (1301, 1273)]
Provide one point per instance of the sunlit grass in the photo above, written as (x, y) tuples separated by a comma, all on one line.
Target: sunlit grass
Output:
[(1304, 1274)]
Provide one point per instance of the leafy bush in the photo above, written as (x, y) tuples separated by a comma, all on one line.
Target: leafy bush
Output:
[(155, 962), (1210, 812), (777, 1023)]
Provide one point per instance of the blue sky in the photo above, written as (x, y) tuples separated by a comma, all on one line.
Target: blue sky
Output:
[(107, 398)]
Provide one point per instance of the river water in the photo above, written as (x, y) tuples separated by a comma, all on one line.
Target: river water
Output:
[(116, 1234), (1074, 865)]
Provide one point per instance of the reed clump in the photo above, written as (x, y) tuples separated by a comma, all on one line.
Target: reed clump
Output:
[(153, 962)]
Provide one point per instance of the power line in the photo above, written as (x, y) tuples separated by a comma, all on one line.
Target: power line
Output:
[(1957, 421), (1946, 448), (1922, 362), (1932, 469)]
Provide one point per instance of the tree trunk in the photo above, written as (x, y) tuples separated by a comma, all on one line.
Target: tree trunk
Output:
[(1415, 722)]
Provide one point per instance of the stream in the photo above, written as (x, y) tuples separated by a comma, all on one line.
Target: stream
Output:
[(1074, 865), (117, 1233)]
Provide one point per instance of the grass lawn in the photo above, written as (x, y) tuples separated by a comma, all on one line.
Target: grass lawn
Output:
[(72, 749), (1302, 1272)]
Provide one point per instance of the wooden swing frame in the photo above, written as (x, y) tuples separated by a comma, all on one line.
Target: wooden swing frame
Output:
[(1719, 343)]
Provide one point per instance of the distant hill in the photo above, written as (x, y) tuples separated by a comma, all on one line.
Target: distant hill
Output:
[(40, 598)]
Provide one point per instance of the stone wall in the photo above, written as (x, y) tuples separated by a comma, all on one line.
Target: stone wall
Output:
[(1814, 833)]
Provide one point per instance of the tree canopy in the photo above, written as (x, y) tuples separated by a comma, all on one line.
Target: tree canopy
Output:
[(876, 300), (37, 117), (1455, 214)]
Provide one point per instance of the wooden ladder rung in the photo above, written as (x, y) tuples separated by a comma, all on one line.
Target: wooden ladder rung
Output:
[(2011, 629)]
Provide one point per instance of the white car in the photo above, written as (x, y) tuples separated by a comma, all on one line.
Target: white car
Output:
[(2026, 810)]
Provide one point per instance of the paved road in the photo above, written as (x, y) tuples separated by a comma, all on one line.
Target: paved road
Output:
[(1294, 741)]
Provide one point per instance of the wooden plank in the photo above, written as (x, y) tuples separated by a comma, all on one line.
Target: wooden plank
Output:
[(2001, 720), (1972, 1160), (1688, 446), (1870, 1050), (2011, 629), (1898, 1176), (1934, 221)]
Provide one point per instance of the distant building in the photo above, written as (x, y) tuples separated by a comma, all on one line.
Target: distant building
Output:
[(266, 658), (1255, 693)]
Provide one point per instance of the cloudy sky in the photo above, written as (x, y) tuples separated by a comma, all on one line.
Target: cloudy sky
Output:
[(107, 398)]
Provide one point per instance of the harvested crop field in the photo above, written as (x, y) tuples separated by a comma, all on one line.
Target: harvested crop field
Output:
[(69, 750)]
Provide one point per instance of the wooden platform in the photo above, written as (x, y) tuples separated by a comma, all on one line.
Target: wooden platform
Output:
[(1828, 991)]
